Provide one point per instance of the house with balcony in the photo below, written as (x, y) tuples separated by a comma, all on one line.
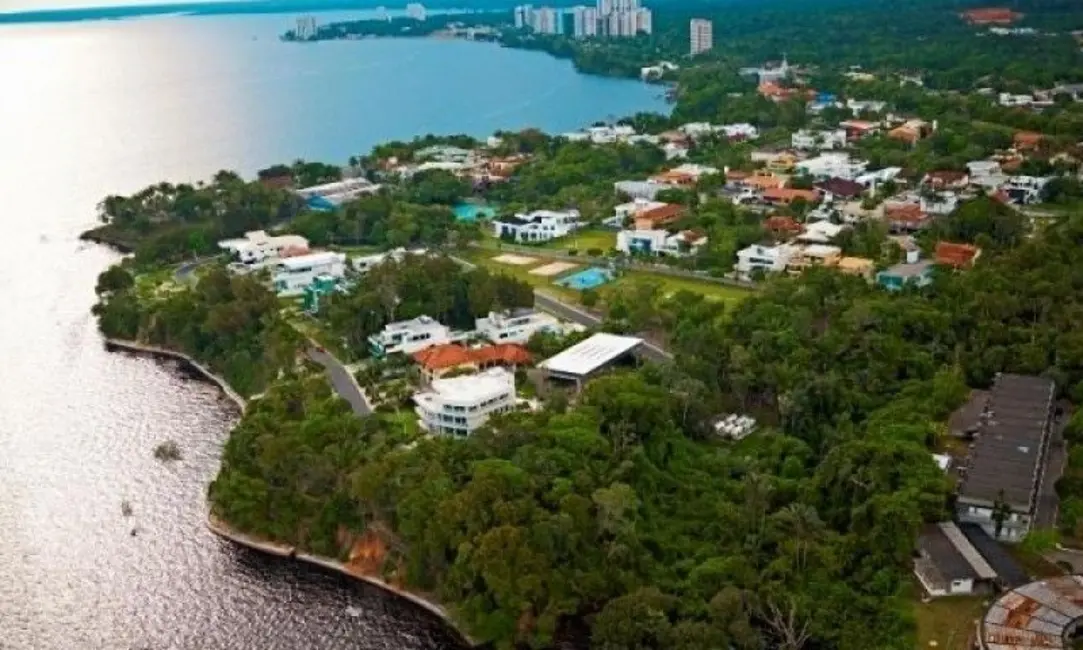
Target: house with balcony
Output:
[(806, 140), (766, 259), (410, 336), (833, 164), (515, 325), (661, 243), (458, 406), (814, 255), (257, 246), (537, 226), (290, 275), (438, 361)]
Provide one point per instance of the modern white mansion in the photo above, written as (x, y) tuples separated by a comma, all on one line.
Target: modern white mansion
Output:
[(290, 275), (538, 226), (459, 405)]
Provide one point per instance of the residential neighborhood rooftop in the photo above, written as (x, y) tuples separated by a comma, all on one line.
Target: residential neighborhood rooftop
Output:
[(591, 354)]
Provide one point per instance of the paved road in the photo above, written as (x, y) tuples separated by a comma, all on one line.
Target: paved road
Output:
[(342, 381)]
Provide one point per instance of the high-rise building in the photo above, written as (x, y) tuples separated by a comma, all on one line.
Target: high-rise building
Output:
[(306, 28), (381, 13), (625, 5), (415, 10), (605, 7), (643, 21), (584, 22), (523, 16), (546, 20), (701, 34)]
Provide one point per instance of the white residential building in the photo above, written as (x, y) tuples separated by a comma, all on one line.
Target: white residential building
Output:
[(832, 165), (630, 209), (769, 259), (660, 242), (657, 71), (820, 232), (538, 226), (306, 28), (646, 190), (604, 134), (458, 406), (365, 263), (1010, 100), (1025, 190), (741, 131), (516, 325), (409, 336), (874, 178), (257, 246), (701, 35), (822, 140), (943, 203), (291, 275), (584, 22), (858, 107)]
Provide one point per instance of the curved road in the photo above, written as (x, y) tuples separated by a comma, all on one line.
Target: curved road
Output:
[(342, 381)]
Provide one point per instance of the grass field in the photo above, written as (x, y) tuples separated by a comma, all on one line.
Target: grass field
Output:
[(947, 621), (728, 294), (584, 240)]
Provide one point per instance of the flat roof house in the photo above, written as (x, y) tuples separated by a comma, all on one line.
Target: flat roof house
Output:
[(589, 357), (290, 275), (1007, 460), (409, 336), (768, 259), (257, 246), (458, 406), (515, 325), (814, 255), (660, 242), (538, 226), (833, 164), (912, 272)]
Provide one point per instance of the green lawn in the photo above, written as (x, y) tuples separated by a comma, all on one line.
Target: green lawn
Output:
[(584, 240), (728, 294), (948, 621)]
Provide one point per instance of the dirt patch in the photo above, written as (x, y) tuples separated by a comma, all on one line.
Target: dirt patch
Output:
[(514, 260), (554, 268)]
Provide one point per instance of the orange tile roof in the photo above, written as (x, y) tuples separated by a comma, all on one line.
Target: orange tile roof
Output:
[(946, 177), (453, 355), (442, 357), (956, 255), (502, 353), (991, 15), (782, 224), (661, 215), (759, 181), (788, 195), (1027, 139), (904, 212)]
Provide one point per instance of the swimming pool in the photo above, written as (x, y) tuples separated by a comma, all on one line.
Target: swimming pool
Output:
[(586, 279), (473, 211)]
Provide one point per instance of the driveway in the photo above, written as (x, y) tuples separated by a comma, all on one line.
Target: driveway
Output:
[(342, 381)]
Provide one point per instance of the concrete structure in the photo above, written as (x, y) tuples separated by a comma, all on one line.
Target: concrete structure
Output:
[(1005, 466), (768, 259), (291, 275), (515, 325), (584, 22), (948, 564), (365, 263), (734, 426), (836, 164), (660, 242), (257, 246), (306, 28), (416, 10), (589, 357), (701, 35), (646, 190), (912, 272), (657, 71), (538, 226), (814, 255), (1042, 615), (460, 405), (409, 336), (331, 195), (819, 140), (820, 232)]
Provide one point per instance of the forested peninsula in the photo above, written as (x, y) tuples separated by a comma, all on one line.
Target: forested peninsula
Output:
[(618, 518)]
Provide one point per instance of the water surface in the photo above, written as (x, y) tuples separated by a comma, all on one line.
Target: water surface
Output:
[(95, 108)]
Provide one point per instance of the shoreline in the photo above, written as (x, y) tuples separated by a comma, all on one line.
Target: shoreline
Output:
[(155, 351), (285, 551)]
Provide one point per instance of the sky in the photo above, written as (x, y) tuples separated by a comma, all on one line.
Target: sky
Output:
[(30, 5)]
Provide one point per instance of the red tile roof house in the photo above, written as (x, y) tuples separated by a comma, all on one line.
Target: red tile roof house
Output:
[(905, 217), (991, 16), (1027, 140), (957, 256), (782, 227), (439, 360), (946, 179), (655, 218), (786, 195)]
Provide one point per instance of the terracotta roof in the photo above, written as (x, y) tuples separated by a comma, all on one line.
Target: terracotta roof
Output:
[(956, 255), (441, 357), (946, 177), (759, 181), (787, 194), (675, 176), (692, 236), (782, 224), (842, 187), (452, 355), (904, 132), (856, 265), (991, 15), (663, 214), (904, 212), (1027, 139), (737, 175), (859, 125)]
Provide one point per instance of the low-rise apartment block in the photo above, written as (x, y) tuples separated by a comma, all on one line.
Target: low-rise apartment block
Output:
[(290, 276), (409, 336), (538, 226), (515, 325)]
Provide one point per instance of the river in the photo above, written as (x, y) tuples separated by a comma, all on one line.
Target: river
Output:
[(96, 108)]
